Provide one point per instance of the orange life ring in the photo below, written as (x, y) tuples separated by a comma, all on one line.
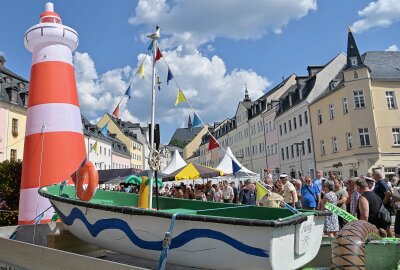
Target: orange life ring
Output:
[(89, 172)]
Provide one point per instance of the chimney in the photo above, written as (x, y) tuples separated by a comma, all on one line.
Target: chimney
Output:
[(2, 61)]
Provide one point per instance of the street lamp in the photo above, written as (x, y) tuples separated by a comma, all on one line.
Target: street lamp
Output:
[(301, 150)]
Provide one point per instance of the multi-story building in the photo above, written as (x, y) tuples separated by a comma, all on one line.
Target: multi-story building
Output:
[(13, 110), (126, 136), (293, 118), (270, 130), (193, 145), (245, 133), (356, 123)]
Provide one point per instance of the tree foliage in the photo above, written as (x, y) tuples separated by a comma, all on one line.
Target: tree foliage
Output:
[(10, 183)]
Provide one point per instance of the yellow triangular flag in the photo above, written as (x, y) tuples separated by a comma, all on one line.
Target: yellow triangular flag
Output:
[(180, 97), (95, 147), (260, 191), (140, 71)]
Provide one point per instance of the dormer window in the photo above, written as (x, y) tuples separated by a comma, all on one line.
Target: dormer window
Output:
[(14, 96), (333, 84), (353, 61), (8, 80)]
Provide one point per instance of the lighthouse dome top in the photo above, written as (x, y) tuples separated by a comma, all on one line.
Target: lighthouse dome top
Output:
[(49, 16)]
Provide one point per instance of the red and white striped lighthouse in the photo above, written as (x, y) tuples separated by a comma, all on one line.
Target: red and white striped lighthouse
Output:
[(54, 142)]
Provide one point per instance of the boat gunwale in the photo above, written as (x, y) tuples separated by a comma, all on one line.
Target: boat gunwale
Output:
[(289, 221)]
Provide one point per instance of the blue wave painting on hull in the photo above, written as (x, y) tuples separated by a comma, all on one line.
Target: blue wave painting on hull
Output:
[(177, 241)]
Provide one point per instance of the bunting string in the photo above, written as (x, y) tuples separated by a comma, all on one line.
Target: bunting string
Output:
[(182, 98)]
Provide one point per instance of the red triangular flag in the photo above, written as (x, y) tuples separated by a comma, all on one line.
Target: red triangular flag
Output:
[(212, 144), (158, 55), (116, 112)]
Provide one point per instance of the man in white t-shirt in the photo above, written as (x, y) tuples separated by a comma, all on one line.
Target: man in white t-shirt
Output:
[(227, 193), (289, 191)]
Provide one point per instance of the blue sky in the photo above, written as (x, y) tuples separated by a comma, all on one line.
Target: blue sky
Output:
[(212, 47)]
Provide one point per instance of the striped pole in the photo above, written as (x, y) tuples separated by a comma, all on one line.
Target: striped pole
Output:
[(54, 142)]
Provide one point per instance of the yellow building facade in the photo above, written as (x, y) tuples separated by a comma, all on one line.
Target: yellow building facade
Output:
[(16, 133), (134, 146), (356, 123)]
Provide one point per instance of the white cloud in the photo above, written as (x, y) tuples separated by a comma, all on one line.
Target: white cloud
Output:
[(392, 48), (196, 22), (188, 28), (211, 89), (381, 13)]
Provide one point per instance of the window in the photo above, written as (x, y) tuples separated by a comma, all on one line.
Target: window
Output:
[(14, 127), (14, 96), (268, 153), (345, 106), (353, 61), (305, 118), (391, 100), (100, 150), (359, 99), (13, 155), (364, 137), (322, 147), (303, 148), (280, 129), (349, 141), (284, 128), (355, 74), (283, 154), (290, 125), (319, 117), (334, 145), (294, 123), (309, 145), (300, 120), (291, 151), (396, 136), (331, 111), (287, 152)]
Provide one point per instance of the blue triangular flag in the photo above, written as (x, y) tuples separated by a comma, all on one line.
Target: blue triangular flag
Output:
[(128, 92), (104, 130), (151, 45), (39, 218), (235, 167), (170, 76), (196, 120)]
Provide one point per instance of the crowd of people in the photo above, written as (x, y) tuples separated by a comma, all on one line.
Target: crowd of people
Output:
[(363, 197)]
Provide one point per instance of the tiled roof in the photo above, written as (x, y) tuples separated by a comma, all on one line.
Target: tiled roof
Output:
[(186, 134), (384, 65)]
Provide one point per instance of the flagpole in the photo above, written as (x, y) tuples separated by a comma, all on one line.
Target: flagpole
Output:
[(153, 106)]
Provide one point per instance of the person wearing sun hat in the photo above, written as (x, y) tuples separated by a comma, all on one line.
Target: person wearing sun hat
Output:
[(289, 191)]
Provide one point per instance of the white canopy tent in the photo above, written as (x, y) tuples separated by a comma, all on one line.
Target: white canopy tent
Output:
[(177, 162), (226, 166)]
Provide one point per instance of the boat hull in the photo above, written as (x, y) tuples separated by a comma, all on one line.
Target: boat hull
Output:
[(209, 245)]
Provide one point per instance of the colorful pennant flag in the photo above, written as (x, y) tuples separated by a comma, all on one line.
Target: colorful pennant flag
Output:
[(196, 120), (116, 112), (95, 147), (180, 97), (212, 144), (170, 76), (260, 191), (104, 130), (235, 167), (39, 218), (151, 45), (158, 55), (140, 71), (128, 92)]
